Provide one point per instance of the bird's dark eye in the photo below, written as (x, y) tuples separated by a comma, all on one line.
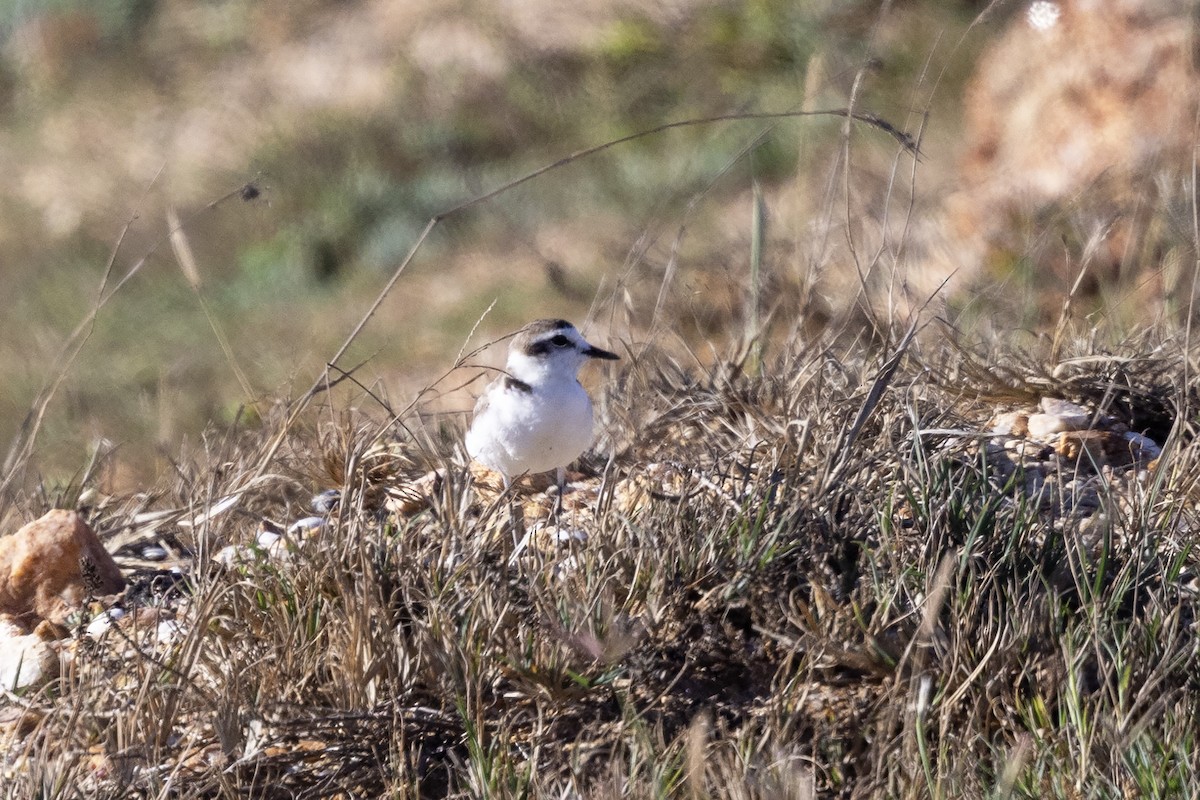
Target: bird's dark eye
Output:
[(560, 341)]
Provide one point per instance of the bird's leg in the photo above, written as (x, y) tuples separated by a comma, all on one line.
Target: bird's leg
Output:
[(561, 474), (517, 514)]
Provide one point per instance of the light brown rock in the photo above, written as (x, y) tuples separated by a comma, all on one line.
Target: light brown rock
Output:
[(50, 566)]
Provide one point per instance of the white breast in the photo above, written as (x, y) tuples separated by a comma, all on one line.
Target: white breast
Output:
[(532, 431)]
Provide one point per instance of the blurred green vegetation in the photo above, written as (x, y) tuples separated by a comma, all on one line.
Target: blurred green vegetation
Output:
[(124, 88)]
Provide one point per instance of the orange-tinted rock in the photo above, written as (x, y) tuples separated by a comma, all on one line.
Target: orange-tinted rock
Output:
[(1095, 447), (50, 566)]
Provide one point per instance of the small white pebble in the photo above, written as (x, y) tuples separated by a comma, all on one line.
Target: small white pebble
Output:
[(168, 632), (267, 538), (154, 552), (101, 624)]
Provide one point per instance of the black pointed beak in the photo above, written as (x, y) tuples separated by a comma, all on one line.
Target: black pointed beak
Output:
[(596, 352)]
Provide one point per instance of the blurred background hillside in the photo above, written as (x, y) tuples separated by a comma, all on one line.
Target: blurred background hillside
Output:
[(304, 146)]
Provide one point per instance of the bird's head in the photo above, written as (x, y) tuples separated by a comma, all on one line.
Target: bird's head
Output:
[(550, 349)]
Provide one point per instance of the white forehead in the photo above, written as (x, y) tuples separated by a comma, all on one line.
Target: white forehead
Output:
[(536, 339), (568, 331)]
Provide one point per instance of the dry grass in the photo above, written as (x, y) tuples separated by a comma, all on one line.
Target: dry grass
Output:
[(802, 573), (791, 612)]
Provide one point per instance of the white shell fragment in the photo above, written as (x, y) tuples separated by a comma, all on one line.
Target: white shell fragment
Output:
[(305, 526)]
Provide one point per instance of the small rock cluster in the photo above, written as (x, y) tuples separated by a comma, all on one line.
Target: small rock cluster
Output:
[(1066, 457)]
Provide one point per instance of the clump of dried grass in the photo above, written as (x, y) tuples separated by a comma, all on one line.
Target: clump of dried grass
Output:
[(824, 603)]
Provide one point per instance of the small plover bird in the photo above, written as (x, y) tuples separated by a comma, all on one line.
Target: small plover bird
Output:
[(537, 417)]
